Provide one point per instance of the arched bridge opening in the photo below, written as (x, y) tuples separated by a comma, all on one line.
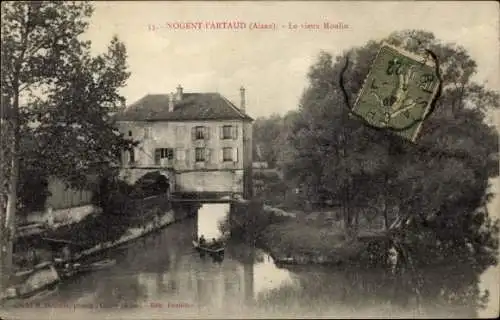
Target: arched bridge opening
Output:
[(153, 183)]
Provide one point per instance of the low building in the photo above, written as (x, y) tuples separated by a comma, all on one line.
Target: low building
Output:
[(201, 142), (63, 204)]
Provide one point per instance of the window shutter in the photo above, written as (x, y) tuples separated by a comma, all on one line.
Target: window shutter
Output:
[(221, 155), (187, 156), (208, 153), (235, 154), (194, 155), (207, 133), (235, 132), (193, 133), (157, 153), (221, 132)]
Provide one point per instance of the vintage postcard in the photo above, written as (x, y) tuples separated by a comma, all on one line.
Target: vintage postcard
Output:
[(249, 159)]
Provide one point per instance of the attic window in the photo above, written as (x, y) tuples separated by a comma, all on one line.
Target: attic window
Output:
[(130, 133)]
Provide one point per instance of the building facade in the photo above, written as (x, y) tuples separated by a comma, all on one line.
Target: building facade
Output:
[(201, 141)]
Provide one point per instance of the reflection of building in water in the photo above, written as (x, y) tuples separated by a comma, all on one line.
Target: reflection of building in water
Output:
[(183, 277), (211, 285)]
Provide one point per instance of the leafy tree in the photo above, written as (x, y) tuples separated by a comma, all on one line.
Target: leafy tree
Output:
[(57, 95), (266, 132)]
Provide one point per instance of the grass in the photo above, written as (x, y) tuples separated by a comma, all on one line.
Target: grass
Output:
[(297, 237), (315, 237)]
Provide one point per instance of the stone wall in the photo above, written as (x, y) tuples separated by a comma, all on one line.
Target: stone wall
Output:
[(64, 216), (229, 181)]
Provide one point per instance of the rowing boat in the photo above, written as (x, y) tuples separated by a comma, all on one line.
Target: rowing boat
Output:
[(72, 269), (208, 248)]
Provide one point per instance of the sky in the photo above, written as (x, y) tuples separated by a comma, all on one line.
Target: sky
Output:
[(272, 64)]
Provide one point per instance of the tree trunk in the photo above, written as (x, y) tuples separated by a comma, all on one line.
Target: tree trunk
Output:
[(3, 248), (386, 218), (10, 212)]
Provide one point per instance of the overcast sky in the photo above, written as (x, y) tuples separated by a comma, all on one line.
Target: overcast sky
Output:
[(272, 64)]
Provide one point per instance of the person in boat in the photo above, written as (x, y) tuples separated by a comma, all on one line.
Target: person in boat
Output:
[(214, 243), (202, 240), (67, 257)]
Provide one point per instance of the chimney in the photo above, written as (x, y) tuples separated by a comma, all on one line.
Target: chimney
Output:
[(179, 93), (242, 99), (171, 102)]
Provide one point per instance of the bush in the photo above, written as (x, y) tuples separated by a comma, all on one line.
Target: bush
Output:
[(248, 221)]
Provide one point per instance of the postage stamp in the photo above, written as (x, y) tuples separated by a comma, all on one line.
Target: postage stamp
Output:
[(398, 91)]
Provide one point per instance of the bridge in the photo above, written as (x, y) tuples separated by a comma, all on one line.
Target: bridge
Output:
[(201, 200)]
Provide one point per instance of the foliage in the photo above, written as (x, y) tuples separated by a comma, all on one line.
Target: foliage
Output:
[(269, 186), (336, 157), (268, 133), (435, 191), (56, 94), (60, 91), (248, 221)]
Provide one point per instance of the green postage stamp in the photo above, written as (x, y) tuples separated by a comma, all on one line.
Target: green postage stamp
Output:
[(398, 91)]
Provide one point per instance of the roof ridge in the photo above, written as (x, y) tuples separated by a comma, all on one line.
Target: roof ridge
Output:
[(233, 106), (198, 105)]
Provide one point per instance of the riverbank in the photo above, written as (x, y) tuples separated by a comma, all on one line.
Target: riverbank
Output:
[(299, 238), (97, 233)]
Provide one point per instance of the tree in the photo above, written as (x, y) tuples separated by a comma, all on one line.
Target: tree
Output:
[(266, 132), (56, 93), (440, 182)]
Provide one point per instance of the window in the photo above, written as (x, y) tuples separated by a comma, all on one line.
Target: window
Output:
[(199, 133), (130, 133), (228, 132), (147, 132), (132, 156), (200, 154), (163, 153), (227, 154)]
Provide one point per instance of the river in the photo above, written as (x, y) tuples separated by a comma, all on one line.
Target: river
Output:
[(162, 276)]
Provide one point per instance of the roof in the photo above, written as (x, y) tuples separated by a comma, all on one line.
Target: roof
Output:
[(193, 106)]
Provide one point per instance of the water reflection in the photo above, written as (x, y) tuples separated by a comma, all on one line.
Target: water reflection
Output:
[(164, 276), (267, 276), (209, 216)]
